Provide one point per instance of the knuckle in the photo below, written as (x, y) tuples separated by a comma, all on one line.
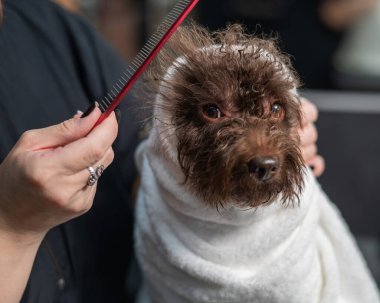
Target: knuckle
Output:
[(61, 199), (66, 126), (76, 208), (320, 160), (314, 133), (110, 156), (319, 165), (113, 129), (114, 126), (304, 153), (311, 149), (302, 131), (315, 112), (81, 207), (96, 153), (27, 138), (36, 177), (304, 137), (309, 134), (310, 111), (308, 152), (303, 150), (86, 207)]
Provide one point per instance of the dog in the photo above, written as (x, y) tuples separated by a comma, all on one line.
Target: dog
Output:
[(227, 210)]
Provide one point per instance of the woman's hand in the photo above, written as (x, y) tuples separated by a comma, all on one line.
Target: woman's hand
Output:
[(309, 135), (43, 183), (43, 180)]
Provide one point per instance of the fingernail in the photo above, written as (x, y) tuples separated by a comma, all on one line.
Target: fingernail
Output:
[(90, 109), (118, 115), (78, 114), (312, 167)]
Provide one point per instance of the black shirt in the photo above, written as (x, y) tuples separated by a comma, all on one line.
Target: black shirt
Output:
[(52, 63)]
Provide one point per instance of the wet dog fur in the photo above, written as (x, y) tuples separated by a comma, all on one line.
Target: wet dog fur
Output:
[(230, 101)]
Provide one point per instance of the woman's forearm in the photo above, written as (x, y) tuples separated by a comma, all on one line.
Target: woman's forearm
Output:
[(17, 254)]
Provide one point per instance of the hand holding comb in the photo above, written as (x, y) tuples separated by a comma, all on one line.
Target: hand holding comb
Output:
[(145, 57)]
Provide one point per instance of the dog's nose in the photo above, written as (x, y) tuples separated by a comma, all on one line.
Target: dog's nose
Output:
[(263, 168)]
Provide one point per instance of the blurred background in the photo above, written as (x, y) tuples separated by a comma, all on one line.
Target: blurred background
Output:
[(335, 47), (334, 43)]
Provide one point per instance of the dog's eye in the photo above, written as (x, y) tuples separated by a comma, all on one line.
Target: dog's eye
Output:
[(277, 111), (212, 111)]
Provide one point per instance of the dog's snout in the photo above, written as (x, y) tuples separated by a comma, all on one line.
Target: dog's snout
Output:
[(263, 168)]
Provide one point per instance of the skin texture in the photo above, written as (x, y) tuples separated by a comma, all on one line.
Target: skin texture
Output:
[(308, 137), (31, 203)]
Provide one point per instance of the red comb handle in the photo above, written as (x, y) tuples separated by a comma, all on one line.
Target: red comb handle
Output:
[(141, 68)]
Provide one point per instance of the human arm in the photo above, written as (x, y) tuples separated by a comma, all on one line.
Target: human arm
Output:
[(308, 136), (43, 183)]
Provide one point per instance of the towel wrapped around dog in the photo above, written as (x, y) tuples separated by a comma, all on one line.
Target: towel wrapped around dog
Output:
[(217, 215), (192, 253)]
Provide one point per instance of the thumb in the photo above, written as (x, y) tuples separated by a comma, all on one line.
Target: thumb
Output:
[(60, 134)]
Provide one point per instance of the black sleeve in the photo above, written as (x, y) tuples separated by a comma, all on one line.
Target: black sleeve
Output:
[(52, 63)]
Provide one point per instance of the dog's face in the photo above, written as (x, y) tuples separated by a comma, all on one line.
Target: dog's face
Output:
[(234, 111)]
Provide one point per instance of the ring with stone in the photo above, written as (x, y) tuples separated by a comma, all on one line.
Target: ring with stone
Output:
[(99, 170), (93, 176)]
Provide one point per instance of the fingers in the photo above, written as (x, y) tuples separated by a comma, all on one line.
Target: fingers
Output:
[(308, 134), (83, 197), (91, 149), (104, 162), (308, 152), (309, 112), (78, 114), (313, 160), (60, 134), (317, 164), (308, 137)]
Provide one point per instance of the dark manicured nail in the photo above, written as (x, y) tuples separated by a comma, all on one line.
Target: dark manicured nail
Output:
[(90, 109), (118, 115), (312, 167)]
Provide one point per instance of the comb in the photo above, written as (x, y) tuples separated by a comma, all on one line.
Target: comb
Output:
[(144, 57)]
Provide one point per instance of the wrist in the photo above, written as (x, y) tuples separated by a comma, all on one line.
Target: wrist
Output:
[(17, 255), (17, 239), (15, 242)]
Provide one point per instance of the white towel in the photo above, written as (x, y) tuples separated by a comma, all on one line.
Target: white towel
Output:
[(192, 253)]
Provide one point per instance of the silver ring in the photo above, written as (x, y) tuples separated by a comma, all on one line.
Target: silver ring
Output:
[(93, 176), (99, 170)]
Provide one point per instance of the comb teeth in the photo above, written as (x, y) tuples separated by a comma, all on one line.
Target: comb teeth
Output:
[(145, 52)]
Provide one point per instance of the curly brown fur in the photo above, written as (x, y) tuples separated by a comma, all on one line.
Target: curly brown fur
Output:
[(245, 79)]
